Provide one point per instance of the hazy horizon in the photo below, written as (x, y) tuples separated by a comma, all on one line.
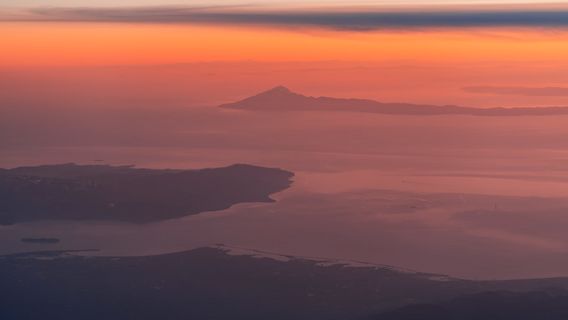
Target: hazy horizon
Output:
[(333, 160)]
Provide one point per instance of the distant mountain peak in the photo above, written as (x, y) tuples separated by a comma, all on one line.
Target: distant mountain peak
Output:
[(278, 92), (279, 89), (277, 98), (281, 98)]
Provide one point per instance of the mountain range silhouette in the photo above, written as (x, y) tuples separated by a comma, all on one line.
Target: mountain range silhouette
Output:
[(283, 99)]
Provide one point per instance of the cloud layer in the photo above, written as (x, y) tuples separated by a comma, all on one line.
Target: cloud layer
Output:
[(327, 19), (522, 91)]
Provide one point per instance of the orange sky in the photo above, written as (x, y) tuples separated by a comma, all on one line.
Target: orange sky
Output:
[(434, 65), (38, 44)]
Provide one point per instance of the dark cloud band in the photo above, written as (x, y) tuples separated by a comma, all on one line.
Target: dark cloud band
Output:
[(346, 20)]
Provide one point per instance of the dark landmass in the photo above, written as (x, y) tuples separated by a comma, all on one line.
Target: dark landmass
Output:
[(45, 254), (499, 305), (282, 99), (124, 193), (40, 240), (214, 283)]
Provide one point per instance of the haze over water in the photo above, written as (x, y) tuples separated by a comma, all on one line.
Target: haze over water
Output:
[(424, 193), (469, 196)]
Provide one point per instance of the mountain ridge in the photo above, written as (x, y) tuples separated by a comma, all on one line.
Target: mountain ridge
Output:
[(282, 99)]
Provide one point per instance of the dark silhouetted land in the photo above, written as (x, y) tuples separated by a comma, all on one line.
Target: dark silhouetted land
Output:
[(218, 283), (549, 304), (282, 99), (124, 193)]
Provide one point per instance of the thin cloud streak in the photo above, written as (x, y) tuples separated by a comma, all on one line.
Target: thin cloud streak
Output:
[(521, 91), (351, 20)]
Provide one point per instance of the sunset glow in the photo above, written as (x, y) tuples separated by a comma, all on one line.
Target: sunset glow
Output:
[(456, 58), (45, 44), (284, 159)]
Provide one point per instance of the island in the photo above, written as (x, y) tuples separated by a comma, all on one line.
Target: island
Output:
[(129, 194), (282, 99)]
